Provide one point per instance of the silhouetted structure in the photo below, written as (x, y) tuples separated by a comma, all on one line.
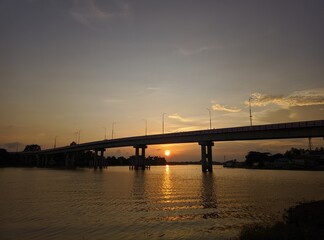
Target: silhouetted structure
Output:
[(205, 138)]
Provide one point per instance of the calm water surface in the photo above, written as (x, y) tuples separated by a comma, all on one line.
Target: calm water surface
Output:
[(172, 202)]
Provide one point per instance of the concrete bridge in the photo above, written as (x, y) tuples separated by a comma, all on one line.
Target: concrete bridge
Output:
[(205, 138)]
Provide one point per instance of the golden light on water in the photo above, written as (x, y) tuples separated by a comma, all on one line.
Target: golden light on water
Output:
[(167, 169)]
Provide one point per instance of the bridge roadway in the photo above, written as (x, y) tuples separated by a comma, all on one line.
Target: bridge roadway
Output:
[(205, 138)]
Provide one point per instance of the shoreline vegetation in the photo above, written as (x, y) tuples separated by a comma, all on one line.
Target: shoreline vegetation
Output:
[(302, 222), (293, 159)]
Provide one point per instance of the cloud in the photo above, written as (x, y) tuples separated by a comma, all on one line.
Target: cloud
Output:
[(178, 117), (295, 113), (186, 129), (219, 107), (188, 52), (298, 98), (87, 12)]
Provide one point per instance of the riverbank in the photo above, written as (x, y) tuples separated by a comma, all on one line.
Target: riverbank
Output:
[(302, 222)]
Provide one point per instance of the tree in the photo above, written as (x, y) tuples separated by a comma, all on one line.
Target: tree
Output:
[(32, 148), (256, 157)]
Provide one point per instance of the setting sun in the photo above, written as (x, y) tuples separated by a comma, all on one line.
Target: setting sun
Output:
[(167, 152)]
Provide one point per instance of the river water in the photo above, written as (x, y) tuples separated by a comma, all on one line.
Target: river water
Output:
[(166, 202)]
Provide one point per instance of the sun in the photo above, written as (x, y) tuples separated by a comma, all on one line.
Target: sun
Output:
[(167, 152)]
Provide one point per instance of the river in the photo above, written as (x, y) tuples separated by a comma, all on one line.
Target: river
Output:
[(165, 202)]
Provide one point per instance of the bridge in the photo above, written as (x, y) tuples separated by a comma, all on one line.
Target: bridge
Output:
[(205, 138)]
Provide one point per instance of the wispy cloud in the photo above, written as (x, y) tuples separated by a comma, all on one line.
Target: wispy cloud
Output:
[(299, 98), (219, 107), (186, 129), (178, 117), (87, 12), (188, 52)]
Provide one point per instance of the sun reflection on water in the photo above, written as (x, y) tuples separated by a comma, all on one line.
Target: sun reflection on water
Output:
[(167, 188), (167, 169)]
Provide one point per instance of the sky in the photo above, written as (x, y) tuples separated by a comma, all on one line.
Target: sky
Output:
[(103, 67)]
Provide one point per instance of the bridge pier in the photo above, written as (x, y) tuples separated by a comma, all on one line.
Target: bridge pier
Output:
[(206, 156), (38, 161), (95, 165), (45, 161), (69, 160), (99, 161), (139, 162), (41, 160)]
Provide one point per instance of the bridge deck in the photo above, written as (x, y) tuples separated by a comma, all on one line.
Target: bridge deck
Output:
[(259, 132)]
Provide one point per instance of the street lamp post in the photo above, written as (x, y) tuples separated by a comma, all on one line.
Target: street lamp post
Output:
[(105, 133), (112, 130), (210, 126), (145, 126), (55, 141), (76, 137), (163, 122), (79, 133), (250, 111)]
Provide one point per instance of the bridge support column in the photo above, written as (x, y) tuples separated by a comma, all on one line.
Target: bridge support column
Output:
[(66, 160), (96, 161), (38, 160), (45, 161), (99, 161), (90, 162), (206, 156), (69, 160), (102, 159), (139, 161)]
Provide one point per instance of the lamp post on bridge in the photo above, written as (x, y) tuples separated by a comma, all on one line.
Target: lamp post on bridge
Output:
[(163, 122), (210, 125), (112, 129), (79, 133), (55, 141), (250, 98), (145, 126), (76, 137), (105, 133)]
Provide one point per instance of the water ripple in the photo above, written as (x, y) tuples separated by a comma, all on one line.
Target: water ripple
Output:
[(181, 203)]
